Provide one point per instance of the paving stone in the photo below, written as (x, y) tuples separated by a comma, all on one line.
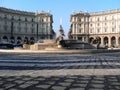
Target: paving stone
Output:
[(43, 86), (50, 82), (80, 85), (95, 89), (101, 86), (113, 80), (84, 81), (13, 89), (32, 82), (1, 82), (2, 89), (69, 80), (77, 89), (19, 81), (10, 79), (117, 87), (25, 85), (26, 79), (65, 84), (58, 88), (6, 86), (115, 83), (97, 82), (40, 79)]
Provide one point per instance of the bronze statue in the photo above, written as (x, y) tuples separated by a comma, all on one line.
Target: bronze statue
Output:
[(60, 38)]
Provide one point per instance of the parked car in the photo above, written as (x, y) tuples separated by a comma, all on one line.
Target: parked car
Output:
[(6, 46)]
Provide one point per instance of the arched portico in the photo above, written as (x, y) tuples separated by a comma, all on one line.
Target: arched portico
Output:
[(119, 42), (91, 39), (26, 41), (5, 39), (19, 40), (105, 41), (113, 41), (12, 40), (32, 40)]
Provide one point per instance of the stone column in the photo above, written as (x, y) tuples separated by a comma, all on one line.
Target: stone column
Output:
[(76, 37), (109, 41), (83, 38), (73, 28), (76, 29), (102, 42), (117, 43)]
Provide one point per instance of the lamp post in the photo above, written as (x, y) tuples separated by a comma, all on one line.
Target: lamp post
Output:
[(37, 24), (37, 31), (11, 29)]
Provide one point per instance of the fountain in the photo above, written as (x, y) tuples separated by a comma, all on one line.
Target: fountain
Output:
[(61, 44)]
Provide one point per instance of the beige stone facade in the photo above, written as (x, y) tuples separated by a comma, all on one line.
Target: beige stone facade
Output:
[(105, 26), (20, 26)]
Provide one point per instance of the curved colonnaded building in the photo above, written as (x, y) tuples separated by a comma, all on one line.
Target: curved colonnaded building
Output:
[(25, 27), (101, 26)]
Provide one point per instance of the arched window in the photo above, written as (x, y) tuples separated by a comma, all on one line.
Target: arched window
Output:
[(26, 19), (98, 19), (5, 17), (12, 18)]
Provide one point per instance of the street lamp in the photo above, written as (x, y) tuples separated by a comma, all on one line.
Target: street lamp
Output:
[(12, 29), (37, 31), (37, 24)]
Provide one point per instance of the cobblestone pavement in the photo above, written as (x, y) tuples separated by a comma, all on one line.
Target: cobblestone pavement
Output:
[(60, 83), (26, 62), (59, 61)]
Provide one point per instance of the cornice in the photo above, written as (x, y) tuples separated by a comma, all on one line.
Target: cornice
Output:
[(12, 11)]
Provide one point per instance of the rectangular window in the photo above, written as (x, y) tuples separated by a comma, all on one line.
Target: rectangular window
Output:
[(79, 19), (98, 19), (5, 17), (19, 24), (112, 23), (91, 30), (26, 30), (80, 25), (32, 20), (105, 18), (105, 24), (5, 28), (105, 29), (80, 31), (5, 22), (32, 30), (91, 25), (98, 30), (113, 29), (32, 25), (19, 29), (98, 24)]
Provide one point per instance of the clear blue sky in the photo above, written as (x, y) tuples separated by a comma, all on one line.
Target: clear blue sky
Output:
[(61, 8)]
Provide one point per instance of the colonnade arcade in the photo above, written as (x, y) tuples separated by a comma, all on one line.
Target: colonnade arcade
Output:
[(106, 41), (17, 40)]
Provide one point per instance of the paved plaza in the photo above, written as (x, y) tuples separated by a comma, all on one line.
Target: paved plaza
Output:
[(99, 71)]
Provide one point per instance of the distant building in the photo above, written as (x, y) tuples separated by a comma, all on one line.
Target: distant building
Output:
[(101, 26), (25, 27)]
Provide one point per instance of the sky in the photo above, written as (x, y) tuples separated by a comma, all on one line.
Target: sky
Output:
[(61, 9)]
